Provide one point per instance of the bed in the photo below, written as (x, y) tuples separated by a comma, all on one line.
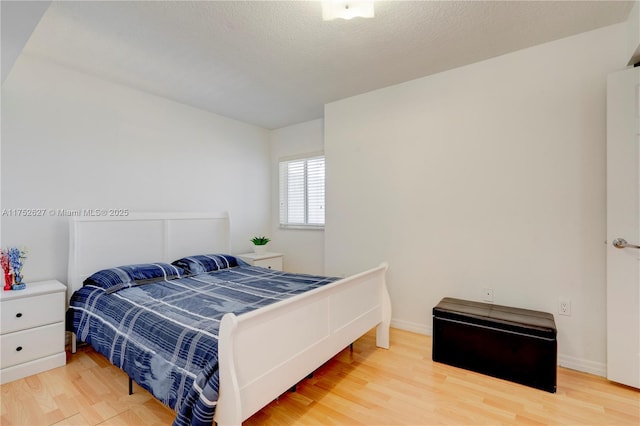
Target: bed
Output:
[(260, 352)]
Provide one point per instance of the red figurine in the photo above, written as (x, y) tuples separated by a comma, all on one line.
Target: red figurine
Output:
[(4, 262), (8, 280)]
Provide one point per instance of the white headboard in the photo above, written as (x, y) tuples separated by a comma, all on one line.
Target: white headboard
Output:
[(97, 243)]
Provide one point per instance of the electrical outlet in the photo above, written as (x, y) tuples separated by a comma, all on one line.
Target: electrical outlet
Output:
[(487, 294), (564, 307)]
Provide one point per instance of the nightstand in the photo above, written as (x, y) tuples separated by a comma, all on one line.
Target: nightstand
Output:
[(32, 330), (264, 260)]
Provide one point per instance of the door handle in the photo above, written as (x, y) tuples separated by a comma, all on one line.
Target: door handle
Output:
[(622, 243)]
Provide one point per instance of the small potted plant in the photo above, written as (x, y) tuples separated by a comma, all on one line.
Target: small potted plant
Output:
[(260, 244)]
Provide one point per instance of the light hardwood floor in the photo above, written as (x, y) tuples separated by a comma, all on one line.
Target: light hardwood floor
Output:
[(369, 386)]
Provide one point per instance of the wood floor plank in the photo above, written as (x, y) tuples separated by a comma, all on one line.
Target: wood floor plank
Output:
[(366, 386)]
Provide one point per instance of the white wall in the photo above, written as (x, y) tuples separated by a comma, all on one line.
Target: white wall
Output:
[(19, 19), (490, 175), (303, 249), (633, 25), (72, 141)]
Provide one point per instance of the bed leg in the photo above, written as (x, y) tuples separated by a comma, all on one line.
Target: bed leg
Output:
[(351, 347), (382, 330), (130, 386), (295, 387), (74, 343), (382, 336)]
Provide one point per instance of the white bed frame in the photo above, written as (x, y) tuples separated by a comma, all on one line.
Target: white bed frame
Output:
[(261, 353)]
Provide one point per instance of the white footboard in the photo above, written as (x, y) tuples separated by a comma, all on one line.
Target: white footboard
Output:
[(265, 352)]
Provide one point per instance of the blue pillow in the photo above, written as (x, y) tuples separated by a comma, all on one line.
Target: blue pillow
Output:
[(202, 263), (114, 279)]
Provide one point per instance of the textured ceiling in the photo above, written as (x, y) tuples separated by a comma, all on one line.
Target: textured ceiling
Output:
[(274, 64)]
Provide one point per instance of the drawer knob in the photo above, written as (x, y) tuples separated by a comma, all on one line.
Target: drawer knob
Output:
[(19, 314), (19, 348)]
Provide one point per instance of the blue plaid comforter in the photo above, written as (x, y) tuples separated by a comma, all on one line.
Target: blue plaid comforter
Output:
[(164, 335)]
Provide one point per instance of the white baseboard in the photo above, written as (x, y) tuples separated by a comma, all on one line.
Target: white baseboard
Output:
[(412, 326), (566, 361), (584, 365)]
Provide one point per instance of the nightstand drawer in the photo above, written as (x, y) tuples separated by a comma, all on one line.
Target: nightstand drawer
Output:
[(273, 263), (29, 312), (267, 260), (23, 346)]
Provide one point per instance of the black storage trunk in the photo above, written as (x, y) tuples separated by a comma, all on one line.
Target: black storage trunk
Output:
[(514, 344)]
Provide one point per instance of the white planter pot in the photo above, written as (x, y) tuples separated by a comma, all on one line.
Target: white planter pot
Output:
[(260, 249)]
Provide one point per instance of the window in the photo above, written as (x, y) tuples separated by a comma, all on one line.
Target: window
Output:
[(302, 192)]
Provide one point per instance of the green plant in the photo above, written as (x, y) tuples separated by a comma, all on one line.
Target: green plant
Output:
[(260, 241)]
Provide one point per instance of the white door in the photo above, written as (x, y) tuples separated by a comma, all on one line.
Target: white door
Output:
[(623, 227)]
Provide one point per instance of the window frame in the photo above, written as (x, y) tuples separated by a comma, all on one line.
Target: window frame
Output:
[(305, 225)]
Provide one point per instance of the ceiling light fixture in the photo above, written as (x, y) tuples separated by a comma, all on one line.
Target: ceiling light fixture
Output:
[(347, 9)]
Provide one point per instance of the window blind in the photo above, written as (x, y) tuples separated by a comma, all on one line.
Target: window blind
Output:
[(302, 192)]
